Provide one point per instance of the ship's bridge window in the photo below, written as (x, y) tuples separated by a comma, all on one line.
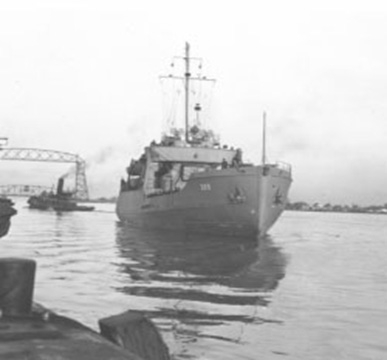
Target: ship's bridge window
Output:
[(188, 170)]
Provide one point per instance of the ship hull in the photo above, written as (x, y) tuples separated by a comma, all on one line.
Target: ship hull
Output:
[(234, 202)]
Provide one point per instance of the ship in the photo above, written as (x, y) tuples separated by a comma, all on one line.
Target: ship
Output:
[(59, 201), (189, 181)]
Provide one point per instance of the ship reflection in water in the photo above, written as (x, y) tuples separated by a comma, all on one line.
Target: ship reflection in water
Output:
[(199, 281)]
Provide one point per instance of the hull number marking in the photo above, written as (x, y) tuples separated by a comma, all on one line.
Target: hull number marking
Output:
[(205, 187)]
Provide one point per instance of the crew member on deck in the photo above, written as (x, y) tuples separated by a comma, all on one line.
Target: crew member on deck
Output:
[(237, 159)]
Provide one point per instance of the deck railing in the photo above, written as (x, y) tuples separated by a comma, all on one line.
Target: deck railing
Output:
[(284, 166)]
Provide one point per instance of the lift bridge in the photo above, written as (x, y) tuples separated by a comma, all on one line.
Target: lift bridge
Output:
[(43, 155)]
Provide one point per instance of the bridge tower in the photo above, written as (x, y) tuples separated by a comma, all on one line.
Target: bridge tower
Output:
[(81, 189)]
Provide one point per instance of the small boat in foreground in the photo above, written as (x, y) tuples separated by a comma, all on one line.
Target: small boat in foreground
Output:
[(30, 331), (188, 181)]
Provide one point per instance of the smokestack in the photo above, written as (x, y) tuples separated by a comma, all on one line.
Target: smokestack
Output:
[(59, 189)]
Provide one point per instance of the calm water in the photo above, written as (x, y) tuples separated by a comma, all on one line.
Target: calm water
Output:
[(316, 288)]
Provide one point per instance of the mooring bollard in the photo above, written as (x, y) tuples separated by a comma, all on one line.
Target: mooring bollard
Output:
[(17, 278)]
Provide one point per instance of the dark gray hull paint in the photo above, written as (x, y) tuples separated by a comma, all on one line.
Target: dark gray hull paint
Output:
[(240, 202)]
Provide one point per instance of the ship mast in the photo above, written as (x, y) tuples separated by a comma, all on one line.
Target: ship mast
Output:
[(187, 76)]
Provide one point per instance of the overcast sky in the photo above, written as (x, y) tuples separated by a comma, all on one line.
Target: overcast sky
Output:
[(82, 77)]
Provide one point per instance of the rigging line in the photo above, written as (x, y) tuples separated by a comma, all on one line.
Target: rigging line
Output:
[(172, 115), (173, 105), (200, 83), (210, 99), (164, 101), (178, 102), (199, 101)]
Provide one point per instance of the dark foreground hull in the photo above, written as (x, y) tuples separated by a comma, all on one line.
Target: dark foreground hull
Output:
[(6, 212), (31, 337), (29, 331)]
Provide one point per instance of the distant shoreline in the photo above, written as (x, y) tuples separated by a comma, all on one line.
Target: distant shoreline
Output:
[(317, 207)]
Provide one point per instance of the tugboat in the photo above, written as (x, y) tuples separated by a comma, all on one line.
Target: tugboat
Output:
[(189, 182), (61, 201)]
